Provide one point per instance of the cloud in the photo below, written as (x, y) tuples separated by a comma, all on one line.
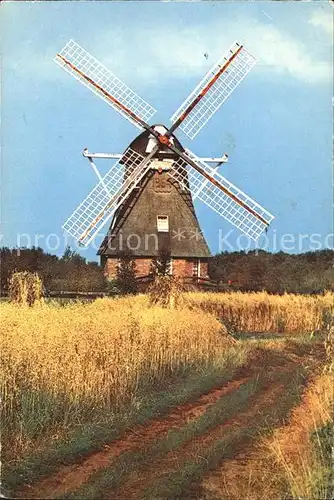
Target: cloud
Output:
[(170, 53), (323, 20), (177, 53), (162, 55), (283, 54)]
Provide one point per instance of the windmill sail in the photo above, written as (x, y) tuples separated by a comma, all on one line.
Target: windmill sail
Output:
[(222, 197), (95, 76), (99, 206), (191, 172), (213, 90)]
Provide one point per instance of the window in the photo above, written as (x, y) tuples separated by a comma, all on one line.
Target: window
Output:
[(168, 267), (163, 223), (196, 268)]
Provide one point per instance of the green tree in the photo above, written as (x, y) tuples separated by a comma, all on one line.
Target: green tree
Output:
[(126, 274), (160, 265), (70, 255)]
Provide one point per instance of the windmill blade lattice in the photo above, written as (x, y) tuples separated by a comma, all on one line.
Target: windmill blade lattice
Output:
[(248, 216), (78, 57), (214, 89), (106, 197)]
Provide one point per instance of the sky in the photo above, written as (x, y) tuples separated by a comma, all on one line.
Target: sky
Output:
[(276, 127)]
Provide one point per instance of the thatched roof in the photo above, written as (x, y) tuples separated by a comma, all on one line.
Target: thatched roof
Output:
[(134, 226)]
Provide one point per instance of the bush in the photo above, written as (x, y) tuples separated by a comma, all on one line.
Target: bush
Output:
[(111, 287)]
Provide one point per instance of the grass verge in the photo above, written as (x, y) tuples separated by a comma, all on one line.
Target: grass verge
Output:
[(301, 452), (323, 467)]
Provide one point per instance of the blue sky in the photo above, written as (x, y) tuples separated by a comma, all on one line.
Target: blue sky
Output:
[(276, 127)]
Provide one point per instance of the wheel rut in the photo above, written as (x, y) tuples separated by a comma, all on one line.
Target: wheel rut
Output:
[(71, 477)]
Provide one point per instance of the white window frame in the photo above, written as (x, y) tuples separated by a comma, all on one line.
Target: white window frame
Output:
[(166, 220), (196, 270)]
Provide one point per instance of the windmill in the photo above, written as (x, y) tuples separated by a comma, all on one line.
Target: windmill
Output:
[(148, 192)]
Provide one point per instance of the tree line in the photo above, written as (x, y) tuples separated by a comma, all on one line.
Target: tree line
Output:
[(70, 272), (310, 272)]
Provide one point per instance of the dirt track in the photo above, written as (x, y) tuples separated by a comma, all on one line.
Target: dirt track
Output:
[(271, 364), (72, 476)]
